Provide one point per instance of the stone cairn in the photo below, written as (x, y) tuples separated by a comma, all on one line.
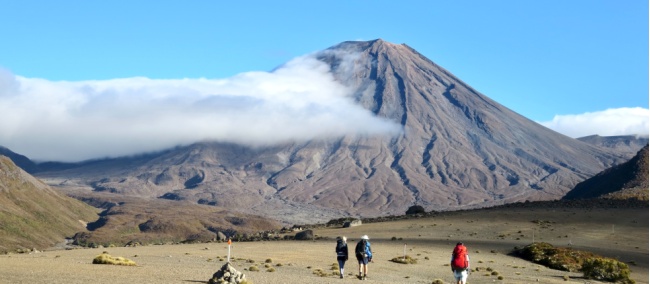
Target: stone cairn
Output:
[(227, 275)]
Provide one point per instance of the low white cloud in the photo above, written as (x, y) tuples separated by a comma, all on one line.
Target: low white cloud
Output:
[(73, 121), (610, 122)]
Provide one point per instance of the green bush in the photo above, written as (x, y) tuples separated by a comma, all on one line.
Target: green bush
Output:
[(566, 259), (606, 269)]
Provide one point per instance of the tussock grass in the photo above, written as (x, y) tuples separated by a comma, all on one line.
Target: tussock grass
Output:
[(404, 260), (105, 258)]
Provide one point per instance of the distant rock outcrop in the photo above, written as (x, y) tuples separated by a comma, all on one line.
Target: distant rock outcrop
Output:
[(352, 223), (415, 209), (628, 180), (306, 235)]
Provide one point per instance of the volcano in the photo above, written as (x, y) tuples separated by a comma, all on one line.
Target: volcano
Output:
[(458, 149)]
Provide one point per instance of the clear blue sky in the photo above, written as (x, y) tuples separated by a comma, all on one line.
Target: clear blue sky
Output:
[(540, 58)]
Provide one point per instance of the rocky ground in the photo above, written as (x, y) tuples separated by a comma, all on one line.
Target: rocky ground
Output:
[(489, 234)]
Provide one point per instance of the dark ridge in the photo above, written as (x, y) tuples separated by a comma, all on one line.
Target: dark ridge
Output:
[(633, 173), (19, 160)]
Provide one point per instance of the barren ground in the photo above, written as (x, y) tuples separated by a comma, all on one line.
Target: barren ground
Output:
[(489, 235)]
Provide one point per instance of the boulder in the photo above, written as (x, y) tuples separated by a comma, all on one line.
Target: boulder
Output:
[(221, 237), (306, 235), (227, 274), (415, 209), (353, 223)]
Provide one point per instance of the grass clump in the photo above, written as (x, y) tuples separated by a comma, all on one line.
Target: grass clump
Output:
[(253, 268), (105, 258), (320, 272), (438, 281), (404, 260), (606, 269)]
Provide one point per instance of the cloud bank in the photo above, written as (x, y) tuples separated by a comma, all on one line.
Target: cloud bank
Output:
[(74, 121), (610, 122)]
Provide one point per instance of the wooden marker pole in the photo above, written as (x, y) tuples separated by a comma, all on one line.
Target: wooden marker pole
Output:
[(229, 243)]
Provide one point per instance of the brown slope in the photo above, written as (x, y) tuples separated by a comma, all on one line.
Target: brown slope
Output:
[(627, 180), (33, 215), (129, 219), (459, 149)]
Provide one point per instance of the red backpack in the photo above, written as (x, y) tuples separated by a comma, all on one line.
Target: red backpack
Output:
[(459, 257)]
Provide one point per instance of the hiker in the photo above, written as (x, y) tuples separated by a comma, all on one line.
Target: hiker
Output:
[(460, 263), (341, 253), (364, 255)]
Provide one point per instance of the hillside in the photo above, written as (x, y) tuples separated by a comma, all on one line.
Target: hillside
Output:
[(33, 215), (130, 220), (458, 149), (629, 144), (624, 181)]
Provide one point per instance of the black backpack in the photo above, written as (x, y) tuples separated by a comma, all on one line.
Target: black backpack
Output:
[(360, 249)]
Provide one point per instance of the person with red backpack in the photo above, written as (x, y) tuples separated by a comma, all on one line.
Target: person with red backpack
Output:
[(460, 263)]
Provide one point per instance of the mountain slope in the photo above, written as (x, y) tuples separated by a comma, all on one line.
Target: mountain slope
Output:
[(459, 149), (623, 143), (627, 180), (21, 161), (33, 215)]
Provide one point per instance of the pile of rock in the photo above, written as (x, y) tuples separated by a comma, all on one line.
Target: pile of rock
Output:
[(227, 275)]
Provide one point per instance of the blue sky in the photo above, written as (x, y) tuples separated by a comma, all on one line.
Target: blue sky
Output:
[(555, 62)]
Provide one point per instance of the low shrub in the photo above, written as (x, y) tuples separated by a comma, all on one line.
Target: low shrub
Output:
[(606, 269), (593, 266), (565, 259), (404, 260), (105, 258)]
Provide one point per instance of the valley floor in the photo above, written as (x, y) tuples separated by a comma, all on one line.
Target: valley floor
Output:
[(490, 236)]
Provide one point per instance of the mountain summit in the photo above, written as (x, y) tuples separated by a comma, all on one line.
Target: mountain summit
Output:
[(458, 149)]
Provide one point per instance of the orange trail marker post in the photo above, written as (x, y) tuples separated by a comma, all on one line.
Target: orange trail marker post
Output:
[(229, 243)]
